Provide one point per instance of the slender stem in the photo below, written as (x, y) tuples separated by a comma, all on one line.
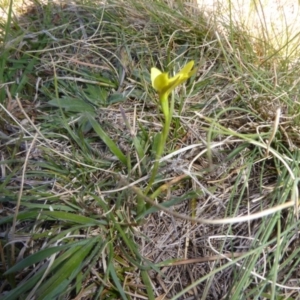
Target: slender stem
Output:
[(163, 137)]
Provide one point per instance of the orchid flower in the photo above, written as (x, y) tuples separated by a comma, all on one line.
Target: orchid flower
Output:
[(165, 85)]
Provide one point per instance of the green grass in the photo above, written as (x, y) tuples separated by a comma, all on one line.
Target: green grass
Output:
[(79, 126)]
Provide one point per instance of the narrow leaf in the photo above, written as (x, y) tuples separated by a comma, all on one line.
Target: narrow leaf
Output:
[(72, 104), (108, 141), (67, 271), (114, 276), (64, 216)]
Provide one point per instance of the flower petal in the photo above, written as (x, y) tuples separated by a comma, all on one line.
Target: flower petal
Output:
[(172, 83), (154, 73), (187, 68), (160, 82), (164, 85), (186, 72)]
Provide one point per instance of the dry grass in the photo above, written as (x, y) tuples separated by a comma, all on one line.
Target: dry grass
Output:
[(79, 121), (275, 22)]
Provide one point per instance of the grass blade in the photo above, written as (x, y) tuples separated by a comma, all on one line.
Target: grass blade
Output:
[(108, 141)]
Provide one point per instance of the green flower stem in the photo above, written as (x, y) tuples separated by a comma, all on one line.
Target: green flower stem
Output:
[(164, 85), (168, 113)]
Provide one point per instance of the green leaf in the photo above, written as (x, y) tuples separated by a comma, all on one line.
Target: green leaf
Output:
[(108, 141), (66, 272), (55, 207), (72, 104), (147, 282), (25, 286), (33, 259), (43, 254), (113, 273), (116, 98), (64, 216), (156, 142), (140, 150), (27, 215), (78, 285), (97, 95), (140, 207), (166, 204)]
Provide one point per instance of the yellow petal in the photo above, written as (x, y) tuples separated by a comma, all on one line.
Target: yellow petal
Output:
[(187, 68), (154, 73), (172, 83), (164, 85), (186, 72), (160, 82)]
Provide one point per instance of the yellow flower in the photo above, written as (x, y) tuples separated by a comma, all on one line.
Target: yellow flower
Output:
[(164, 85)]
